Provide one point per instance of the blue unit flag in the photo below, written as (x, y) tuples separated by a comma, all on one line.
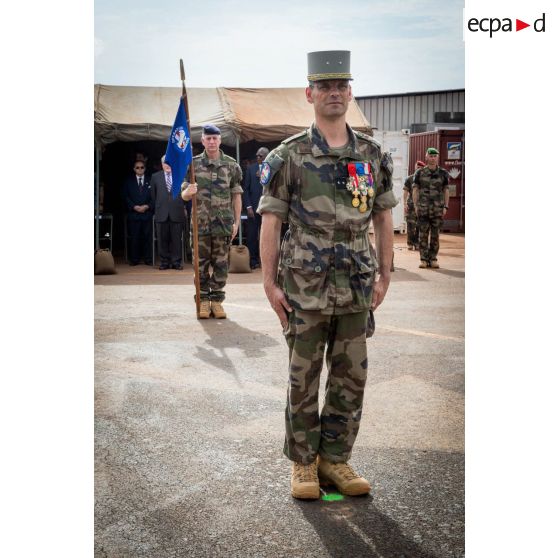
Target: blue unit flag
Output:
[(179, 150)]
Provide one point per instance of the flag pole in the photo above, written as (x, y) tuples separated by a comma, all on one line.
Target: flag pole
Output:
[(194, 200)]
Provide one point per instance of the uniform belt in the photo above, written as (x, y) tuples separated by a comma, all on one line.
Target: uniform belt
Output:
[(336, 235), (339, 235), (295, 228)]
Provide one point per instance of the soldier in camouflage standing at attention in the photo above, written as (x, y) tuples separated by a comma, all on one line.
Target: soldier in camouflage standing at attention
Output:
[(409, 209), (431, 200), (327, 182), (218, 189)]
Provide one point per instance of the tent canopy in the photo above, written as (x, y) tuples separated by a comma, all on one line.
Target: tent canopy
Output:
[(275, 114), (143, 113), (125, 113)]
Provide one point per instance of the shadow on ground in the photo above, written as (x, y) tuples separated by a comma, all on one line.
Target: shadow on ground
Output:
[(354, 527), (451, 273), (402, 274), (225, 335)]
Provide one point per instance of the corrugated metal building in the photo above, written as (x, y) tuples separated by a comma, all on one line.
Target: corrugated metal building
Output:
[(414, 111)]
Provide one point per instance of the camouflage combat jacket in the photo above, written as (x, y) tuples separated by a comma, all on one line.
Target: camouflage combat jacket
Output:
[(409, 187), (326, 262), (217, 181), (431, 186)]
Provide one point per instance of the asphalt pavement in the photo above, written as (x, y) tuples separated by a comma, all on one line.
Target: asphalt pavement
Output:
[(189, 423)]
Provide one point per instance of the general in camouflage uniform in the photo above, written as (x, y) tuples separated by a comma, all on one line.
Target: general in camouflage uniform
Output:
[(431, 199), (326, 275), (410, 213), (218, 190)]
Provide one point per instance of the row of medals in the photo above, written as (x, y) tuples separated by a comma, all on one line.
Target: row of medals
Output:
[(361, 190)]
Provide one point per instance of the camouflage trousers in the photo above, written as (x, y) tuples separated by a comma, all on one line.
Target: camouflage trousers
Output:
[(333, 432), (412, 229), (429, 227), (214, 254)]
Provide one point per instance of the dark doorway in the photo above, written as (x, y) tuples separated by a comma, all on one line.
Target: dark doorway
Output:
[(117, 161)]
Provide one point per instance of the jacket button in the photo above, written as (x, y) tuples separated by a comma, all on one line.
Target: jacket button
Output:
[(317, 269), (288, 261)]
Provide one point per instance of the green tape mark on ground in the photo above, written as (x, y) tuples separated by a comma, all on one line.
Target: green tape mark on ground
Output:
[(333, 497)]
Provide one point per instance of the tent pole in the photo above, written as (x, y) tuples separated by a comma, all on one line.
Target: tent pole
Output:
[(97, 198), (238, 161)]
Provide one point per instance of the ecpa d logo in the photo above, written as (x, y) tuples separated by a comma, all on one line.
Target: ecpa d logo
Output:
[(494, 24)]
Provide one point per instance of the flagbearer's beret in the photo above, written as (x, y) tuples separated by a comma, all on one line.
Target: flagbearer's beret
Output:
[(432, 151), (211, 130), (329, 64)]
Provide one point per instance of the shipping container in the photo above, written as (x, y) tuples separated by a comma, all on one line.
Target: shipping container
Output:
[(451, 145), (397, 145)]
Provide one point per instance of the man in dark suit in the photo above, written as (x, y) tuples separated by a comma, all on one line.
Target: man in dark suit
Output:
[(137, 195), (170, 217), (251, 198)]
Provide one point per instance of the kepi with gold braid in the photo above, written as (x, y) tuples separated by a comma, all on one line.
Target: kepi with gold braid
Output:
[(329, 64)]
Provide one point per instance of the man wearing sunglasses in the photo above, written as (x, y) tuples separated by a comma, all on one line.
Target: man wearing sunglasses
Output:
[(137, 194)]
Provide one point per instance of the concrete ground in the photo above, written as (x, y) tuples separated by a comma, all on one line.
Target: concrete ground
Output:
[(189, 423)]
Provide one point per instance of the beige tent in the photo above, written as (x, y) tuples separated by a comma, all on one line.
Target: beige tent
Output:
[(147, 113), (142, 113)]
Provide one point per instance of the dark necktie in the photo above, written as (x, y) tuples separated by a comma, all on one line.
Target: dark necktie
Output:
[(141, 185)]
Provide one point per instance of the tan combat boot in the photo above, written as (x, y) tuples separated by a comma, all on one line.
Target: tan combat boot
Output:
[(205, 310), (343, 476), (434, 264), (423, 264), (217, 310), (304, 481)]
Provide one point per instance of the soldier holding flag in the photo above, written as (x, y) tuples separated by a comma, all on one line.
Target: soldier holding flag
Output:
[(218, 190)]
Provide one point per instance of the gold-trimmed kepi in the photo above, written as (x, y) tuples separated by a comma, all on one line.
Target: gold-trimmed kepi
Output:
[(329, 64)]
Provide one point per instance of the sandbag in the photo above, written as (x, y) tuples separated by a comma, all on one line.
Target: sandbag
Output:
[(239, 259), (104, 262)]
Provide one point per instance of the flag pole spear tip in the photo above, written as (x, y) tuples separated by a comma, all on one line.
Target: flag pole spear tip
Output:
[(182, 77)]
